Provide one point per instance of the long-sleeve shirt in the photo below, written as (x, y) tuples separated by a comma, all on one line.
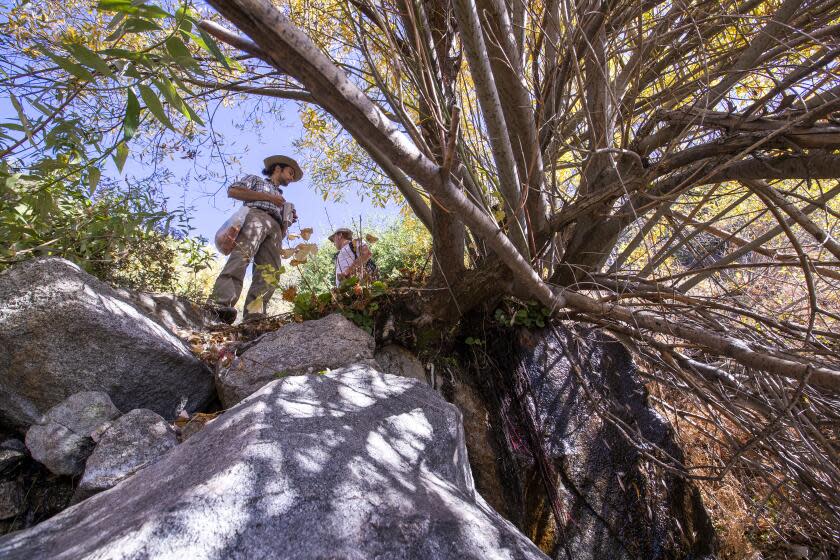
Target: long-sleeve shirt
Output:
[(258, 184)]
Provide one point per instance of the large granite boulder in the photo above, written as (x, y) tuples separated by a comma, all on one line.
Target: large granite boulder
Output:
[(354, 464), (294, 349), (179, 314), (61, 440), (131, 443), (576, 417), (63, 331)]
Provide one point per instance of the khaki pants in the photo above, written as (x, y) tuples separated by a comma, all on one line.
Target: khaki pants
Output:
[(259, 240)]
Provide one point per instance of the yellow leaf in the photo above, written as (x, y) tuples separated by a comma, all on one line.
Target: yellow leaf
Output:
[(256, 306), (306, 233), (292, 236), (287, 253), (290, 293), (371, 238)]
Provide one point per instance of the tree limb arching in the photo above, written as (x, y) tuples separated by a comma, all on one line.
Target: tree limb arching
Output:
[(359, 116)]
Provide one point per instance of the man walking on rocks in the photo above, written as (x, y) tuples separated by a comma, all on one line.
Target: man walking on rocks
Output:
[(259, 240)]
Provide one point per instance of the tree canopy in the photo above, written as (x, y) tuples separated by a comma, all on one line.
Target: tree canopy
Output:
[(666, 170)]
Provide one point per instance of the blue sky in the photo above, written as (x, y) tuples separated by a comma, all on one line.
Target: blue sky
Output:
[(208, 199), (210, 202)]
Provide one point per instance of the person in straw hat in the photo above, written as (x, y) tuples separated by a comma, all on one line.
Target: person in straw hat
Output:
[(352, 258), (259, 240)]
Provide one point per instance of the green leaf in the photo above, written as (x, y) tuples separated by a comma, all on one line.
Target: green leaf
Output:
[(120, 53), (170, 92), (41, 107), (27, 129), (115, 21), (207, 42), (120, 156), (132, 115), (186, 17), (171, 95), (93, 178), (179, 51), (69, 67), (124, 6), (152, 11), (152, 102), (90, 59), (137, 25), (193, 115)]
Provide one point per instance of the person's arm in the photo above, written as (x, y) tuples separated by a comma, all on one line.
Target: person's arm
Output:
[(247, 195)]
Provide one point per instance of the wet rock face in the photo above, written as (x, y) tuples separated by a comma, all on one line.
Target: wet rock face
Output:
[(63, 331), (617, 503), (354, 464), (29, 493)]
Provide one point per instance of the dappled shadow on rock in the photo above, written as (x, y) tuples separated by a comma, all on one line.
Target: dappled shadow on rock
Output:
[(575, 422), (352, 464), (62, 331)]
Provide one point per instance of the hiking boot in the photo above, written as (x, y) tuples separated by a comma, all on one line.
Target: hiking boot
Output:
[(222, 313)]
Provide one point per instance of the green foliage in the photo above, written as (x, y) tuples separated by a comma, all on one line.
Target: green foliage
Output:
[(317, 274), (82, 83), (122, 238), (360, 303), (403, 250), (401, 253), (530, 314)]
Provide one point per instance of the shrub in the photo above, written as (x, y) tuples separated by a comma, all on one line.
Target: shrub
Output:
[(125, 239)]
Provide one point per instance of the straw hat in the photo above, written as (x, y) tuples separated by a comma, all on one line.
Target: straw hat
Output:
[(341, 230), (285, 160)]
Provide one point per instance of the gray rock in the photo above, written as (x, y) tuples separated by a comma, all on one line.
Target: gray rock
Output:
[(354, 464), (12, 501), (61, 440), (12, 452), (620, 505), (294, 349), (133, 442), (396, 360), (177, 313), (63, 331)]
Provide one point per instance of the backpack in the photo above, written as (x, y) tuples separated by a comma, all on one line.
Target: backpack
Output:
[(371, 270)]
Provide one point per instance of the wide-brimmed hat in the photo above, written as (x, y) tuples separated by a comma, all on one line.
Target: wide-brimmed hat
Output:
[(285, 160), (341, 230)]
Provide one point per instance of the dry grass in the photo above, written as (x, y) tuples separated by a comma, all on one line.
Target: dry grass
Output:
[(748, 524)]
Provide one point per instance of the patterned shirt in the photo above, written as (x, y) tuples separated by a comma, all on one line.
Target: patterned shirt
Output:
[(258, 184), (345, 259)]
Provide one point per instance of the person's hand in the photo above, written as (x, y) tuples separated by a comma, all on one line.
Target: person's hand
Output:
[(277, 199)]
